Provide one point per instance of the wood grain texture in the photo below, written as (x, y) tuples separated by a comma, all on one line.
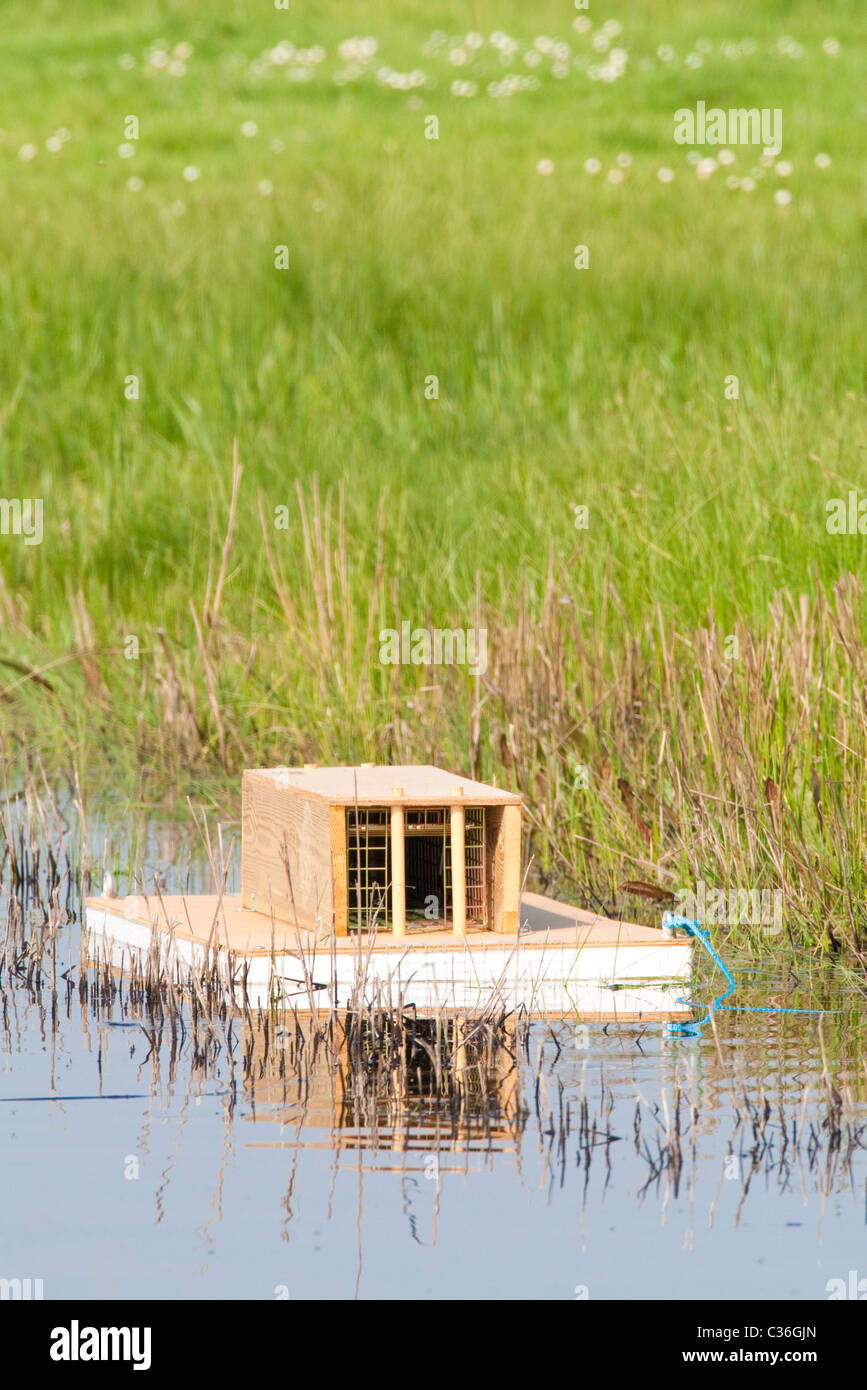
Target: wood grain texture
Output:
[(398, 872), (511, 883), (339, 869), (375, 786), (286, 854), (503, 849), (459, 871), (246, 932)]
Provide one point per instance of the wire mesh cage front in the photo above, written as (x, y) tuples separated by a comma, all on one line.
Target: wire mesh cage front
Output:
[(368, 845), (475, 860), (428, 869)]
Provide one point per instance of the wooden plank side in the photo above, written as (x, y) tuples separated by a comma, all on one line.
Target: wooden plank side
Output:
[(494, 857), (511, 869), (459, 870), (285, 854), (339, 869), (503, 849)]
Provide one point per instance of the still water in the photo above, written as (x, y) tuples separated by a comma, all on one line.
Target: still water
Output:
[(171, 1156)]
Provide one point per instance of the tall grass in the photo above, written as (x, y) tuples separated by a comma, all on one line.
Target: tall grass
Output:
[(609, 647), (665, 757)]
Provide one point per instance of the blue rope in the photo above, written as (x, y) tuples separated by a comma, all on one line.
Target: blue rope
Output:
[(671, 924)]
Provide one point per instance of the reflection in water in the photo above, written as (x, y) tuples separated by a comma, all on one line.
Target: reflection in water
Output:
[(399, 1088)]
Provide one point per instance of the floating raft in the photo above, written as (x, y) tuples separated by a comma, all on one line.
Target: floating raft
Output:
[(562, 960), (392, 885)]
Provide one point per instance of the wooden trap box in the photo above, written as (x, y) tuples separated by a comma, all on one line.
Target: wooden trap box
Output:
[(400, 849)]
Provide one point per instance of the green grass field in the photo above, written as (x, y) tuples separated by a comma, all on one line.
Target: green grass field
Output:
[(649, 745)]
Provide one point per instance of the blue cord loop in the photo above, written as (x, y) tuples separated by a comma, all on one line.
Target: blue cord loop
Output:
[(672, 923)]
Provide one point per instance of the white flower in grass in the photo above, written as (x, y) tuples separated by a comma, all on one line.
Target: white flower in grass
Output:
[(748, 46), (705, 167), (592, 166), (747, 185), (277, 146), (782, 197), (176, 68), (135, 184), (545, 166), (159, 58), (27, 152), (265, 188), (126, 151), (822, 161), (249, 128), (600, 43), (191, 173), (703, 46), (543, 43), (62, 134), (178, 208), (53, 144), (532, 59), (726, 157), (733, 181), (693, 157), (126, 61), (624, 160), (615, 175), (183, 50), (665, 175), (831, 47), (560, 70), (665, 53), (458, 57), (783, 169), (693, 60), (581, 24)]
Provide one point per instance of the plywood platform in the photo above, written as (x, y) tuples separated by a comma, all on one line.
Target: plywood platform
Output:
[(203, 919), (563, 960)]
